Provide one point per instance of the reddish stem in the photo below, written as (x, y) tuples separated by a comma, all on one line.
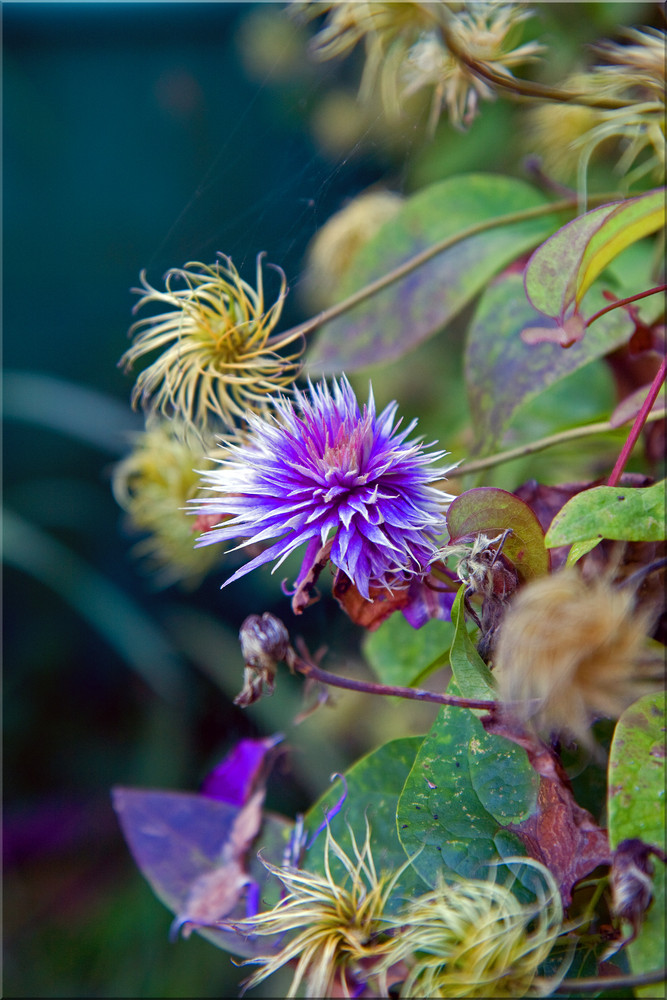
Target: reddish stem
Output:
[(637, 426), (625, 302), (308, 669)]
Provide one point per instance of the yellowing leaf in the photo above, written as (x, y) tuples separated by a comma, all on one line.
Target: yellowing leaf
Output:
[(630, 222), (563, 268)]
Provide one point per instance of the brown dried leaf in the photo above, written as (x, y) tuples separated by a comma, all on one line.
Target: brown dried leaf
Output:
[(369, 614)]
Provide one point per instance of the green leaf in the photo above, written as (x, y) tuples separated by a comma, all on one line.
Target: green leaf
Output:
[(581, 549), (502, 372), (464, 788), (561, 271), (616, 512), (492, 511), (473, 677), (636, 807), (374, 785), (636, 793), (400, 654), (394, 321)]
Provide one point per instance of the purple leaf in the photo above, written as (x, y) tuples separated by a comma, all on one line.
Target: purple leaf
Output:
[(502, 372), (181, 840)]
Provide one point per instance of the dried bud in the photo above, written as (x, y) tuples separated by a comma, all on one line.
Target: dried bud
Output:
[(264, 642), (631, 886)]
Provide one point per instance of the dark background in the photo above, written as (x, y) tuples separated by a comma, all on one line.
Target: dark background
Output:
[(134, 137)]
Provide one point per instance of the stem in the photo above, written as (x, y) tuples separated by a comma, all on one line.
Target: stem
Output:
[(528, 88), (308, 669), (587, 430), (593, 984), (625, 302), (638, 425), (327, 315)]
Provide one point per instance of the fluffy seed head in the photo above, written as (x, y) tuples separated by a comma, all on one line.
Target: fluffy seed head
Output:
[(579, 648), (332, 250), (320, 470), (474, 938), (218, 356)]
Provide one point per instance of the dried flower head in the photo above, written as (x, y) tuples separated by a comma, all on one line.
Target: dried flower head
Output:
[(340, 924), (320, 471), (631, 885), (579, 648), (264, 644), (332, 251), (219, 358), (474, 938), (153, 484), (635, 72), (485, 33)]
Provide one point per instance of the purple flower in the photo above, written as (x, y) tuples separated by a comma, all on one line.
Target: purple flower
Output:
[(323, 473)]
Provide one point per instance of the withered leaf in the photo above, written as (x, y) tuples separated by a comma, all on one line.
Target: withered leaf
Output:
[(560, 833)]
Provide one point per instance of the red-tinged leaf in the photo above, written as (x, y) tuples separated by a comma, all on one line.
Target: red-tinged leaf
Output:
[(369, 614), (551, 273), (179, 839), (242, 771), (545, 501), (559, 833), (630, 221), (397, 319), (492, 511)]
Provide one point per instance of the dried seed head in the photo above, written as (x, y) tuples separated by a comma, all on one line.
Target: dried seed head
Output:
[(579, 647)]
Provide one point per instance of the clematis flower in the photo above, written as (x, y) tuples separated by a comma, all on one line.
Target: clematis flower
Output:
[(344, 482)]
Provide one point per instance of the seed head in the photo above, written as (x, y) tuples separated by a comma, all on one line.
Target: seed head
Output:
[(340, 925), (474, 938), (153, 484), (484, 32), (219, 359)]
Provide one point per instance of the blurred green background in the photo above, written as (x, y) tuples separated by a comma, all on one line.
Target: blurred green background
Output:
[(144, 136)]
